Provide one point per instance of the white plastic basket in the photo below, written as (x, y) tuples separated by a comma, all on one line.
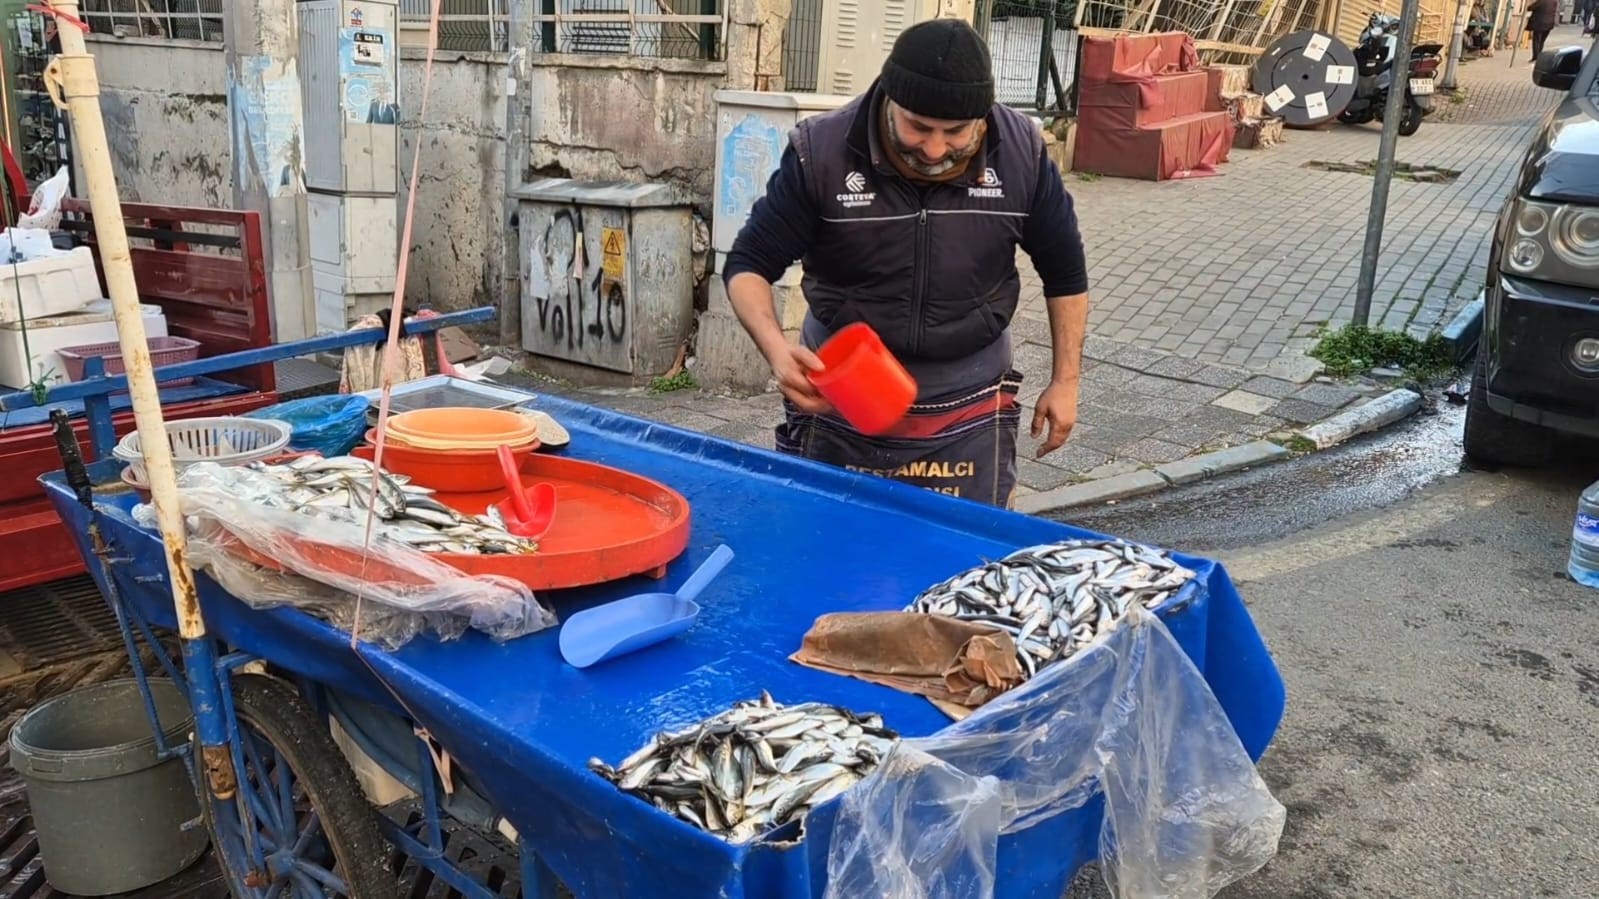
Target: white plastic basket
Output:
[(224, 440)]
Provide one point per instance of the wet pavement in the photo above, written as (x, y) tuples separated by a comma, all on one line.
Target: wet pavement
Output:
[(1442, 672), (1263, 503)]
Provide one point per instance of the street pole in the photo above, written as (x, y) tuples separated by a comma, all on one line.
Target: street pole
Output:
[(1385, 162), (1457, 43)]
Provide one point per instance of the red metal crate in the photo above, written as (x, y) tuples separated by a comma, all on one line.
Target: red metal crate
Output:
[(163, 351)]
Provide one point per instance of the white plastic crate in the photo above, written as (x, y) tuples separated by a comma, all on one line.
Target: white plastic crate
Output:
[(53, 285)]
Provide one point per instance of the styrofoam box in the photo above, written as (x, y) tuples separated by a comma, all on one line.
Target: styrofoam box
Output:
[(54, 285), (46, 335)]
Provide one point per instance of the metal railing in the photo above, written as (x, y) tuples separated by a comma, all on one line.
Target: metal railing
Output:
[(482, 26), (680, 29), (802, 45), (1034, 51), (191, 20)]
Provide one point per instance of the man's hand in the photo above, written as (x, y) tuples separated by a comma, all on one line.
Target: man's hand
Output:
[(790, 363), (1057, 408)]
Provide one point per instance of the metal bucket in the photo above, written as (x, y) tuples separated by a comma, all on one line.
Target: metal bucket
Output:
[(108, 810)]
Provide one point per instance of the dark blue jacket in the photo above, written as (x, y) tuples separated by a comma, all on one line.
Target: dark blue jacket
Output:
[(931, 267)]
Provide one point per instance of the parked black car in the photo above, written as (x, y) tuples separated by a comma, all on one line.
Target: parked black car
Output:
[(1537, 367)]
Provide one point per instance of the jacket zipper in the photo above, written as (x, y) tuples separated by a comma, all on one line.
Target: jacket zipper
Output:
[(919, 280)]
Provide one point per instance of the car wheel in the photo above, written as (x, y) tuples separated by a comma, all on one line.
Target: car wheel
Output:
[(1494, 440)]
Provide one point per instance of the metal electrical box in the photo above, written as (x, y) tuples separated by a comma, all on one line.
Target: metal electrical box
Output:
[(751, 134), (607, 273), (350, 73), (349, 70), (354, 256), (859, 34)]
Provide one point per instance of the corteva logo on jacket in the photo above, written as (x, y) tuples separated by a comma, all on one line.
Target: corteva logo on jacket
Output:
[(988, 187), (856, 193)]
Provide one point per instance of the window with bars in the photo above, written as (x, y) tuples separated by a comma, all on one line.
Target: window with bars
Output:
[(191, 20), (467, 25), (681, 29)]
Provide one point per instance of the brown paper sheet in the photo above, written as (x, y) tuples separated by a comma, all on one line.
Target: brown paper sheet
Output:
[(957, 665)]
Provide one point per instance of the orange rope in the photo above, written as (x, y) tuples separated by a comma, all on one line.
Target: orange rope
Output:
[(397, 309)]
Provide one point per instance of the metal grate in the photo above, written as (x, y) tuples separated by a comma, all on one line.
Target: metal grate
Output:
[(298, 378), (464, 25), (1022, 77), (55, 622), (681, 29), (486, 858), (802, 45), (190, 20)]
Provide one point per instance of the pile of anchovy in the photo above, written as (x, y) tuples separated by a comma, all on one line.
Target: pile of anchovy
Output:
[(1056, 598), (754, 767), (341, 488)]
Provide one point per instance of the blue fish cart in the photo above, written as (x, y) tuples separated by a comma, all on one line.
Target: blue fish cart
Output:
[(487, 732)]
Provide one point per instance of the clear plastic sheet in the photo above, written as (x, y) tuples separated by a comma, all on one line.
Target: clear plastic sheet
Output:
[(1186, 813), (270, 557)]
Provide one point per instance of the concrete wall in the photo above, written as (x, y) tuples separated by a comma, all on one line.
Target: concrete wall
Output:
[(605, 119), (458, 232), (166, 115)]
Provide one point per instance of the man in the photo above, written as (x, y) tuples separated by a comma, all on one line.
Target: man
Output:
[(1541, 16), (906, 207)]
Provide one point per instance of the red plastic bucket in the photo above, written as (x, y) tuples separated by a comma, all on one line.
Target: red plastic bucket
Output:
[(863, 380)]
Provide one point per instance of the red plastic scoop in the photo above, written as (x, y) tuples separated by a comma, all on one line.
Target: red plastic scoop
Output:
[(527, 513)]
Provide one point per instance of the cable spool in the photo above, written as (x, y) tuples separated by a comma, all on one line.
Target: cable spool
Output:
[(1307, 78)]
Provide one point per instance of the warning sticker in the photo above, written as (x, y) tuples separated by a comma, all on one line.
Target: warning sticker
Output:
[(1316, 104), (613, 248), (1317, 48), (1280, 97), (1340, 74)]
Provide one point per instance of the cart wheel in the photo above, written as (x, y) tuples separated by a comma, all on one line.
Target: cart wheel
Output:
[(299, 826)]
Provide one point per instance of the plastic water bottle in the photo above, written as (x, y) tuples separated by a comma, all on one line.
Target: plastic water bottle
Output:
[(1584, 564)]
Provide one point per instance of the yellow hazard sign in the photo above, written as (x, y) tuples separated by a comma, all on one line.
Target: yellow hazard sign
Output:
[(613, 247)]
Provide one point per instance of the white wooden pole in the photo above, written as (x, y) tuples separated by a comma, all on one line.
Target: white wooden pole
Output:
[(73, 76)]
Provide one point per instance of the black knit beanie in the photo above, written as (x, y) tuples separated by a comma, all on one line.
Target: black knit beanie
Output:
[(940, 68)]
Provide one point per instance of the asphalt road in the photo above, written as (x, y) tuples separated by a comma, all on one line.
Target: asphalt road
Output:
[(1442, 731)]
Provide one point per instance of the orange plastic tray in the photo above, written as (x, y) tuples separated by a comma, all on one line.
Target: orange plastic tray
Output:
[(609, 524)]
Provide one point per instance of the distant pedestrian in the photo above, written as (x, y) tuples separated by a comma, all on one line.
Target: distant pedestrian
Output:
[(1541, 16)]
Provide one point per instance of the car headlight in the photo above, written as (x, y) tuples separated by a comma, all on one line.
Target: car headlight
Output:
[(1574, 235), (1554, 242)]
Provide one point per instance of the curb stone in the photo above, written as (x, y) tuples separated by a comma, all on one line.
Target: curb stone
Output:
[(1138, 483), (1463, 330), (1377, 413), (1380, 412)]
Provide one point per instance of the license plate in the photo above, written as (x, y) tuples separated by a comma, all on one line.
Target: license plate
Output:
[(1421, 86)]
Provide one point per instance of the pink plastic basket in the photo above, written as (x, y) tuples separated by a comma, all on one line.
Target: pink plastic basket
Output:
[(163, 351)]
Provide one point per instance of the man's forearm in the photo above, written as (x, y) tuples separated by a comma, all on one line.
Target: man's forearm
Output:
[(752, 301), (1068, 322)]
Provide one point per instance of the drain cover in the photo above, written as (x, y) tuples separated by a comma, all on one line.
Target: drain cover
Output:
[(1307, 77), (53, 622)]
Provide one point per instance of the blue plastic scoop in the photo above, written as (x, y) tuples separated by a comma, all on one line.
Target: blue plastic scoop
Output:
[(620, 627)]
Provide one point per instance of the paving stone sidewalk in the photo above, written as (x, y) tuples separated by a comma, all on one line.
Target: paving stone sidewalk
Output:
[(1139, 408), (1207, 293)]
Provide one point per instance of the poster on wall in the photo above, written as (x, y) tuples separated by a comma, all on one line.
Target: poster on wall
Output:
[(367, 71), (264, 96)]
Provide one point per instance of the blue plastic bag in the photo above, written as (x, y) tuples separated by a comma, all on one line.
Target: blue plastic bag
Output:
[(331, 425)]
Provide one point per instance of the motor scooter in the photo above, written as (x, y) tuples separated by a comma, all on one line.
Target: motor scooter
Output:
[(1374, 76)]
